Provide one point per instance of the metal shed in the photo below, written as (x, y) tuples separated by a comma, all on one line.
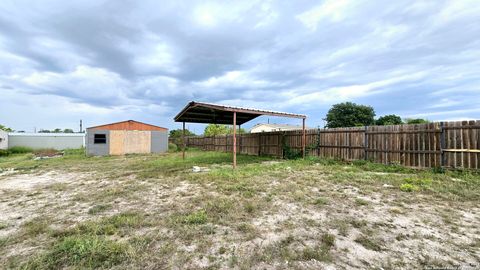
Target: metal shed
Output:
[(126, 137)]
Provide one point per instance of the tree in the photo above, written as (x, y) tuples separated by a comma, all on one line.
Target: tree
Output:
[(239, 130), (68, 130), (215, 129), (416, 121), (176, 135), (57, 130), (349, 114), (390, 119), (4, 128), (44, 131)]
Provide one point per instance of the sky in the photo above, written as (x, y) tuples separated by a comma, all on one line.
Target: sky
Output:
[(108, 61)]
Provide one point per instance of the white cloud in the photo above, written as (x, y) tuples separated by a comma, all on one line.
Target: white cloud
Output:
[(332, 10), (84, 83)]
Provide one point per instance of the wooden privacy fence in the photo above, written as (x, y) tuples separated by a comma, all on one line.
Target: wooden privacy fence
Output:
[(444, 144)]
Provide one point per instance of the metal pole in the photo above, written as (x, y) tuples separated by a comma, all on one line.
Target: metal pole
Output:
[(303, 138), (183, 141), (234, 140)]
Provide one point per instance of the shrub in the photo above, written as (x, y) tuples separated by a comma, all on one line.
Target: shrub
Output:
[(4, 153), (199, 217), (289, 153), (20, 150), (172, 147), (408, 187)]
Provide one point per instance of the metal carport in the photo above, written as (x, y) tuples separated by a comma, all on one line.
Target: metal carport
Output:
[(209, 113)]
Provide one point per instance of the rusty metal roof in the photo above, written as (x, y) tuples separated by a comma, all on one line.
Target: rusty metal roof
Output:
[(210, 113), (128, 125)]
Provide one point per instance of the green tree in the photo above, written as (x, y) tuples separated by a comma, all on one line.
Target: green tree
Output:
[(68, 130), (44, 131), (416, 121), (216, 129), (390, 119), (57, 130), (239, 130), (349, 114), (176, 135), (4, 128)]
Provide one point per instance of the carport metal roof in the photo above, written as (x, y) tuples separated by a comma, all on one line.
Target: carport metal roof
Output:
[(210, 113)]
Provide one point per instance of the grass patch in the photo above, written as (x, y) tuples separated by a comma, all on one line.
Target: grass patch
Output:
[(98, 209), (81, 251), (20, 150), (408, 187), (369, 243), (361, 202), (199, 217), (320, 201), (36, 226)]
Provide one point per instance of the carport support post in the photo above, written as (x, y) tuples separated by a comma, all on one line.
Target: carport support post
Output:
[(183, 141), (303, 137), (234, 140)]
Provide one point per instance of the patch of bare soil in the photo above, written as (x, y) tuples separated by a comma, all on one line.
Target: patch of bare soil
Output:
[(33, 181)]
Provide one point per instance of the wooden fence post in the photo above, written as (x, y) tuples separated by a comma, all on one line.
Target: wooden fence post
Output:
[(442, 145), (365, 143), (259, 143)]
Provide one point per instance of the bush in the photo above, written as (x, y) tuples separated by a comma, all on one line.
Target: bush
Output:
[(4, 153), (199, 217), (172, 147), (408, 187), (20, 150)]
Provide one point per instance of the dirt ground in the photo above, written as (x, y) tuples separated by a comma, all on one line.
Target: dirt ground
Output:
[(267, 215)]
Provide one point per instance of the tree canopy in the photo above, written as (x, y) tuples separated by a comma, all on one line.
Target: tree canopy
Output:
[(4, 128), (416, 121), (177, 133), (215, 129), (349, 114), (390, 119)]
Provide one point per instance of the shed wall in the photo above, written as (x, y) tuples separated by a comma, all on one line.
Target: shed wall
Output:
[(97, 149), (159, 141), (3, 139), (45, 140)]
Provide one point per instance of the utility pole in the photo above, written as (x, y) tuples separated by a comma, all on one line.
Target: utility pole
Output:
[(81, 126)]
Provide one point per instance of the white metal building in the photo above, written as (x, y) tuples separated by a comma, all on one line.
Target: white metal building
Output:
[(58, 141), (273, 127), (3, 139)]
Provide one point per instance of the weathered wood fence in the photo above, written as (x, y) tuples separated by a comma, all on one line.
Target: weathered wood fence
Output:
[(444, 144)]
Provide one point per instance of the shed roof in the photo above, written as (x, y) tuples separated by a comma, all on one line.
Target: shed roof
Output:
[(129, 125), (200, 112)]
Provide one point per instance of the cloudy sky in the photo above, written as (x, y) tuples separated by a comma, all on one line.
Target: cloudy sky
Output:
[(105, 61)]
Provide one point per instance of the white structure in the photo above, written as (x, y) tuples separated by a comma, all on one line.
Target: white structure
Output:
[(3, 139), (58, 141), (273, 127)]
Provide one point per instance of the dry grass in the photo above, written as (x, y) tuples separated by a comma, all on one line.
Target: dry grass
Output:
[(153, 212)]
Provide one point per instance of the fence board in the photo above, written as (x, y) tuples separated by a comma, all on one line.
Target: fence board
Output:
[(448, 144)]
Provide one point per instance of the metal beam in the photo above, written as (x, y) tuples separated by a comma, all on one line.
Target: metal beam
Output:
[(183, 141)]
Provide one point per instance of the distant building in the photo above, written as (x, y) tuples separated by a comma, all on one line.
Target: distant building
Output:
[(3, 139), (274, 127), (127, 137)]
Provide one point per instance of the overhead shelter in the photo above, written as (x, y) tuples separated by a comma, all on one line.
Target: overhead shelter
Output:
[(209, 113)]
